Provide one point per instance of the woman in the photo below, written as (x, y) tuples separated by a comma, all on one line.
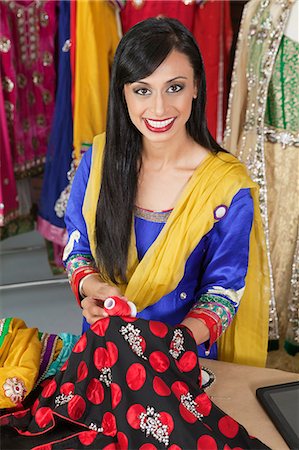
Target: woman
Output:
[(191, 205), (136, 382)]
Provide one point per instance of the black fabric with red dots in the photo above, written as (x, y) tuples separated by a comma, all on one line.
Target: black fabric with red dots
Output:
[(124, 387)]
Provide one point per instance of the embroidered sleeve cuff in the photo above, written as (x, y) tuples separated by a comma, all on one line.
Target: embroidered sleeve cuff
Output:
[(216, 312), (77, 261)]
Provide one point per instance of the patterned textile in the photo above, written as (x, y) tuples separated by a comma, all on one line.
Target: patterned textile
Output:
[(27, 357), (128, 384), (27, 39)]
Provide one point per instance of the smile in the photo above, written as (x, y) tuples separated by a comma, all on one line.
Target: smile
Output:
[(159, 126)]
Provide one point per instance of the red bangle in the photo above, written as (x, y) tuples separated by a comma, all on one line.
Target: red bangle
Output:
[(77, 276), (213, 323)]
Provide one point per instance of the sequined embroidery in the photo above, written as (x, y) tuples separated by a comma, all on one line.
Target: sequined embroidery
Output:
[(282, 137), (132, 335), (94, 427), (152, 216), (151, 424), (106, 376), (14, 389), (190, 404), (176, 344), (62, 399)]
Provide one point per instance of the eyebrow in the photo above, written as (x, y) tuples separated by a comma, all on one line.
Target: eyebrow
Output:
[(166, 82)]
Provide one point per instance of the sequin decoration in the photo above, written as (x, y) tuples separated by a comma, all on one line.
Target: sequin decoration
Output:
[(62, 399), (131, 334), (151, 424), (176, 344), (7, 84), (106, 376), (188, 401), (285, 138), (5, 44)]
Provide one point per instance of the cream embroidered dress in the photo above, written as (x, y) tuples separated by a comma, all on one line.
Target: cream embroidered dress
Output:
[(263, 131)]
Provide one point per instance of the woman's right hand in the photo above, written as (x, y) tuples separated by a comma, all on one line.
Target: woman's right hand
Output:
[(96, 293)]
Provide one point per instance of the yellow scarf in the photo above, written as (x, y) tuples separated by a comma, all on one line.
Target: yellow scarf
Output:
[(213, 183)]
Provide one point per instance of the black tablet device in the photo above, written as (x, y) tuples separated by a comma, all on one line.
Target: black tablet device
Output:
[(281, 402)]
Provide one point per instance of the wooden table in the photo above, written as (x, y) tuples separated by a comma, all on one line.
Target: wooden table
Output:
[(234, 392)]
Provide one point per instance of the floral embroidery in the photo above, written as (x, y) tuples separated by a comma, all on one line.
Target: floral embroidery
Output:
[(131, 335), (14, 388), (106, 376), (190, 404), (176, 344), (151, 424)]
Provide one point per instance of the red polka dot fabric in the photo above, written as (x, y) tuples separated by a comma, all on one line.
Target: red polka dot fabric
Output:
[(128, 384)]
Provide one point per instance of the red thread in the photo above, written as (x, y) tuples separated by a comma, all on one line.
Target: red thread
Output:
[(115, 306)]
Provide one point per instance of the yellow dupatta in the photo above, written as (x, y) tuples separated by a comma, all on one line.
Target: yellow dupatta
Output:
[(214, 182)]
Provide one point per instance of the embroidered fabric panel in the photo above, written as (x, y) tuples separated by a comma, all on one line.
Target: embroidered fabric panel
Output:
[(152, 216), (282, 109), (76, 261)]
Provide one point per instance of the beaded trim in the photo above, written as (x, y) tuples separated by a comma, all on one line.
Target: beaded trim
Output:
[(152, 216), (283, 137), (131, 334), (151, 424), (49, 342)]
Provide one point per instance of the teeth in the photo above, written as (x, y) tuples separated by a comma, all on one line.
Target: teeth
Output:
[(160, 124)]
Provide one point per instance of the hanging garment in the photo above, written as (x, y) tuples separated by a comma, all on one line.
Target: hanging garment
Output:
[(97, 36), (128, 384), (263, 131), (50, 222), (212, 30), (29, 80), (8, 193), (27, 40)]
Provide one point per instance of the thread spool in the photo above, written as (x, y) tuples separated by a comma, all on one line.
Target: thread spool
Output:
[(115, 306)]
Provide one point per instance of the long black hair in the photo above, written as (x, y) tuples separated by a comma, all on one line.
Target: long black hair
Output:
[(141, 50)]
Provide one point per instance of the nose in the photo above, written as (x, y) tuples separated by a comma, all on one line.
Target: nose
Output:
[(159, 104)]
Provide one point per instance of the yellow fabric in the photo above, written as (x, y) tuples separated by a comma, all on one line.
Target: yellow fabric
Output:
[(19, 358), (97, 37), (214, 182)]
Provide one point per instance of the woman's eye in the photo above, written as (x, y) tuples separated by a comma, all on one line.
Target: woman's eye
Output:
[(175, 88), (142, 91)]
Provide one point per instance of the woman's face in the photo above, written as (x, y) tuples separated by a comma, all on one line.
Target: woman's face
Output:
[(160, 104)]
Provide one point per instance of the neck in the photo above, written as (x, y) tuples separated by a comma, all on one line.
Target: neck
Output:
[(167, 153)]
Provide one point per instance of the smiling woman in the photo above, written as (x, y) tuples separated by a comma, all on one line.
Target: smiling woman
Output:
[(165, 218), (163, 101)]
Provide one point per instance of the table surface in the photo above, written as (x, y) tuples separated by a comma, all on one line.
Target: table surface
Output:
[(234, 392)]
